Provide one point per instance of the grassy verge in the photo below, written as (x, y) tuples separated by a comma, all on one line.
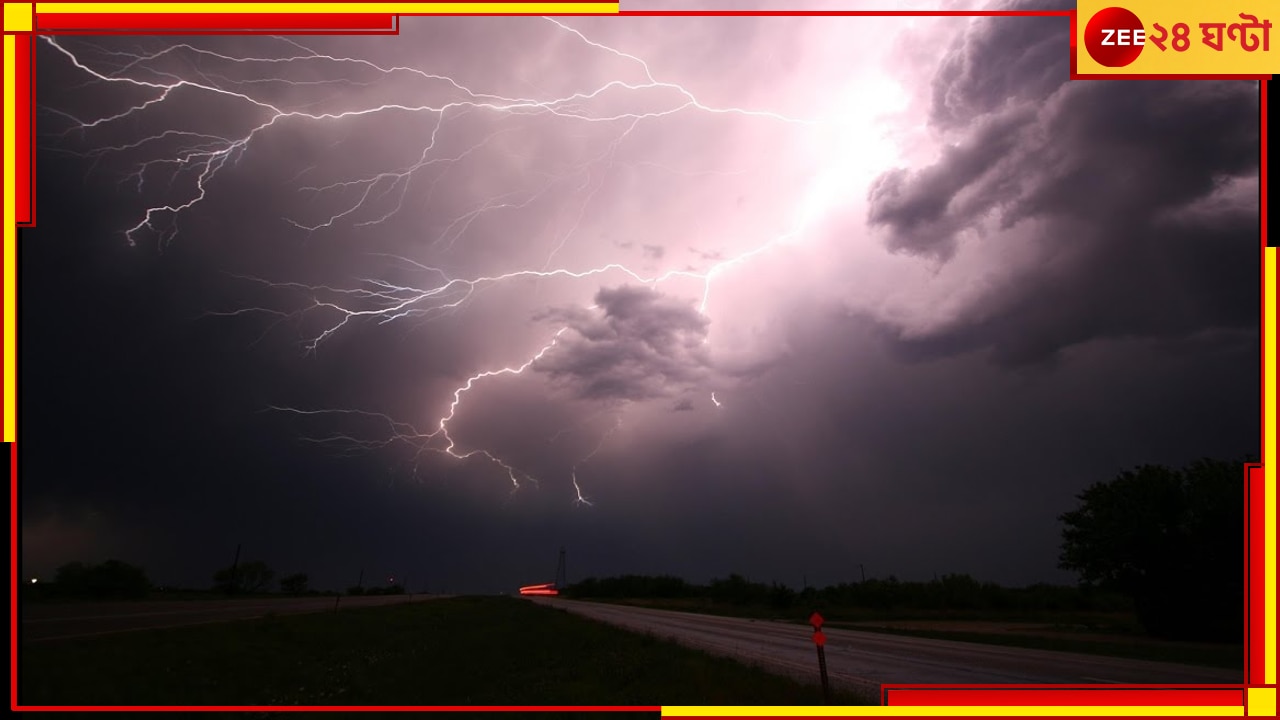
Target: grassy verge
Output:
[(1205, 655), (461, 651)]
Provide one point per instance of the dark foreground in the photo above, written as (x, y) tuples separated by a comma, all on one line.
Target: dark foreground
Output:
[(458, 651), (62, 621)]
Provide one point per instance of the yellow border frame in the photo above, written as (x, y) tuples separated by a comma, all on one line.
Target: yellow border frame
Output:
[(1269, 329), (18, 18), (10, 241), (390, 8), (969, 711)]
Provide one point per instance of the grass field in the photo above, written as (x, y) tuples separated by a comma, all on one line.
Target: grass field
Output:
[(459, 651)]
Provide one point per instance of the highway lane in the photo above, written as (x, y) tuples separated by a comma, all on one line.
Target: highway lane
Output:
[(864, 660), (41, 622)]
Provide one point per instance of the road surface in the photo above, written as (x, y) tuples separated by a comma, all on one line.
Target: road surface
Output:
[(864, 660), (62, 621)]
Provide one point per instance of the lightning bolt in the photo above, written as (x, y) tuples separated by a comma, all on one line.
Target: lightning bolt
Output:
[(199, 158), (579, 498)]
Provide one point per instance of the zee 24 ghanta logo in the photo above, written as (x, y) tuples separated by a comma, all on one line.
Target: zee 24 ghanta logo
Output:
[(1115, 37)]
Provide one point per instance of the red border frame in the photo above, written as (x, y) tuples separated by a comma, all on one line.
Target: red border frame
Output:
[(345, 708), (1255, 591), (48, 23), (13, 569), (25, 123), (364, 24)]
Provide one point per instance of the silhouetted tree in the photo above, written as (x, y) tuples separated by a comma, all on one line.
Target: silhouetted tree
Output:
[(70, 576), (951, 592), (112, 579), (960, 592), (633, 586), (780, 596), (1171, 540), (295, 584), (250, 577)]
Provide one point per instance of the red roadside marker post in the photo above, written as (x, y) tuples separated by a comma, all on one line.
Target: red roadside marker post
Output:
[(820, 640)]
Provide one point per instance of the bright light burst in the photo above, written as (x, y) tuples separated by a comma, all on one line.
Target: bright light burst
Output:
[(380, 196)]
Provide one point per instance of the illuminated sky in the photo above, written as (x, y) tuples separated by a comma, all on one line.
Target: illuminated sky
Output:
[(776, 296)]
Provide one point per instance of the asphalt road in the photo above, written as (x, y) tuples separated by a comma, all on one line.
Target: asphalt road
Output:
[(41, 622), (862, 660)]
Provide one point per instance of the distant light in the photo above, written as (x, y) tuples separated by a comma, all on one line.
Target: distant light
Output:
[(391, 580), (542, 589), (35, 580)]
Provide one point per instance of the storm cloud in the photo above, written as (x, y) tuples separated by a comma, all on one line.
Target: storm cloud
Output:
[(889, 293), (1130, 207), (633, 344)]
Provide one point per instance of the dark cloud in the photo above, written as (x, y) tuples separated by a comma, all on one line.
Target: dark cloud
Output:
[(926, 209), (1134, 203), (1109, 227), (1000, 63), (635, 344)]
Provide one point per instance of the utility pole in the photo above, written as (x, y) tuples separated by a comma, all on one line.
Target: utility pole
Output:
[(863, 571), (560, 571), (360, 582), (231, 584)]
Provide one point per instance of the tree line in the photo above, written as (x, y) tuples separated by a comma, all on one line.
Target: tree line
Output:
[(951, 592), (1162, 543), (119, 580)]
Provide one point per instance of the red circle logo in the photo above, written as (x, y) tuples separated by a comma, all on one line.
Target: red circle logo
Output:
[(1114, 37)]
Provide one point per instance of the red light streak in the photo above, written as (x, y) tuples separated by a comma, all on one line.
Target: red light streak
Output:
[(542, 589)]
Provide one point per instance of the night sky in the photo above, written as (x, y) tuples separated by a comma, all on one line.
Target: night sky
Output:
[(787, 296)]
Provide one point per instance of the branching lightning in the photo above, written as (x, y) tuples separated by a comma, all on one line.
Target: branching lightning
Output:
[(203, 156)]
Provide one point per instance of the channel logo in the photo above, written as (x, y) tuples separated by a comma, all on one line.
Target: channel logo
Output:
[(1114, 37), (1182, 37)]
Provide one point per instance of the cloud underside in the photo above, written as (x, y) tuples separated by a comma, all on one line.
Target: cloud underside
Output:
[(1131, 207), (634, 344)]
